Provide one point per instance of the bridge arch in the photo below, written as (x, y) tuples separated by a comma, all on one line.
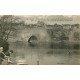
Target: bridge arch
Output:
[(40, 35)]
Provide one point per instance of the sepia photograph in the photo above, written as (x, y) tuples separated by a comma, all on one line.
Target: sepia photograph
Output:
[(39, 39)]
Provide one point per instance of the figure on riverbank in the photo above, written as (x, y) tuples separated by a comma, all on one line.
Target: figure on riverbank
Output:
[(2, 55), (8, 54)]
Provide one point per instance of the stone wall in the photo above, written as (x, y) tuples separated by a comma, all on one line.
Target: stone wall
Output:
[(25, 34)]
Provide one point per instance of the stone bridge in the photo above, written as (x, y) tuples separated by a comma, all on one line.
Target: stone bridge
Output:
[(40, 33)]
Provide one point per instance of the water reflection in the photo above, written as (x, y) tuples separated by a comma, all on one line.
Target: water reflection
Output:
[(44, 56)]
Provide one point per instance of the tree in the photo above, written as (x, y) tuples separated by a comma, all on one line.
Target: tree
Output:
[(8, 24), (41, 24)]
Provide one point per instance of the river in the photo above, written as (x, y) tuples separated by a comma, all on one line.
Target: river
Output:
[(26, 55)]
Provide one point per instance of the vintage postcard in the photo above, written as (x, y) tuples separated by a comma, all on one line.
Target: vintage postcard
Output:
[(39, 39)]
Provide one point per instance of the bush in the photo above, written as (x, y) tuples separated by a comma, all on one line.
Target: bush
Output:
[(5, 45)]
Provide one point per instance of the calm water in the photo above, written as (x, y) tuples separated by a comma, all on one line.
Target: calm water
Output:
[(23, 54)]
